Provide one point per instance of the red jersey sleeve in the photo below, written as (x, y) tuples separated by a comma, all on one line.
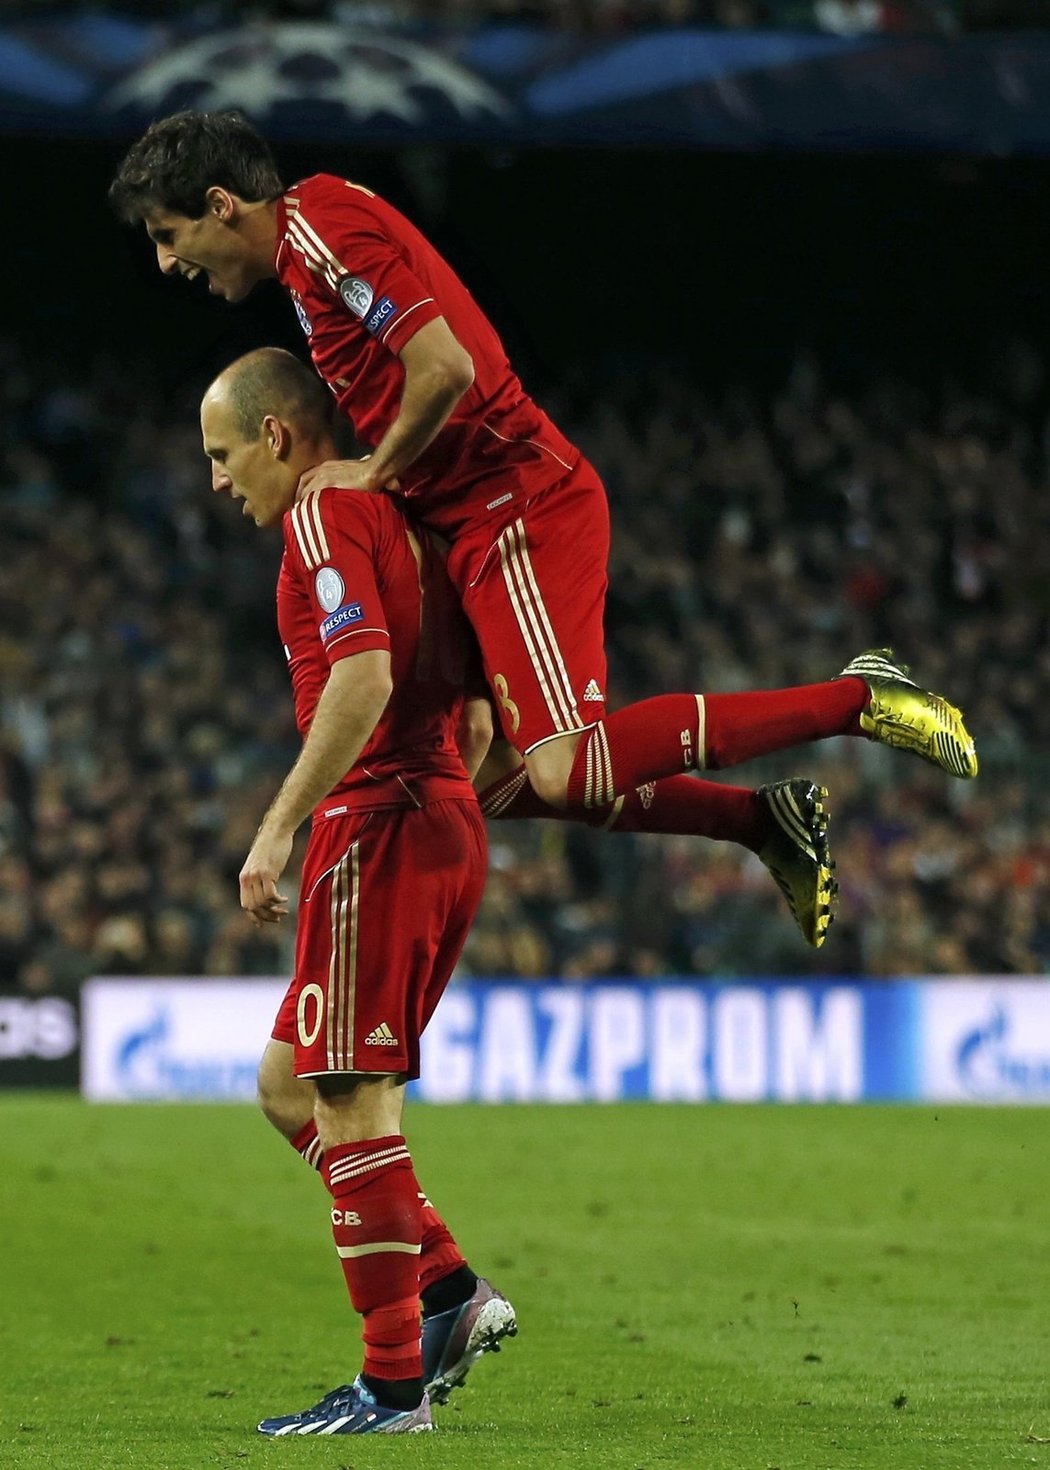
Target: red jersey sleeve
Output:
[(333, 540), (350, 239)]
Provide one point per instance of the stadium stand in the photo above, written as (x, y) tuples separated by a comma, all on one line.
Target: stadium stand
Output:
[(759, 539)]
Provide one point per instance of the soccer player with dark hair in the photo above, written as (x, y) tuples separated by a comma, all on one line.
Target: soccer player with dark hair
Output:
[(393, 873), (419, 370)]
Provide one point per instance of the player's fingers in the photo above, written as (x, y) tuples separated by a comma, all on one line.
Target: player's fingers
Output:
[(265, 912), (308, 483), (256, 890)]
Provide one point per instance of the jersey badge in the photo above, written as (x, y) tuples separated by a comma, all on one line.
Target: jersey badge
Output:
[(343, 617), (357, 294), (330, 588), (380, 315)]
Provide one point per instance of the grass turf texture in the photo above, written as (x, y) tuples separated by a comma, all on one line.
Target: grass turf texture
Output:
[(718, 1288)]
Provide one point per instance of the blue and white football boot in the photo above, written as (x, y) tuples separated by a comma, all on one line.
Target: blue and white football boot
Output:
[(453, 1341), (351, 1409)]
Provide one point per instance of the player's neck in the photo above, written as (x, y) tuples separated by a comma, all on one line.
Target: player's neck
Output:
[(257, 223)]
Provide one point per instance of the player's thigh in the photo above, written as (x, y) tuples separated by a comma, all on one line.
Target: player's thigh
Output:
[(371, 921), (462, 898), (536, 600)]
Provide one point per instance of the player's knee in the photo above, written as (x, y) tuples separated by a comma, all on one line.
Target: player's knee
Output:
[(281, 1111), (549, 767), (550, 787), (284, 1100)]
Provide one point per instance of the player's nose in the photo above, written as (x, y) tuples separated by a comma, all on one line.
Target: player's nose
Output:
[(166, 259), (220, 480)]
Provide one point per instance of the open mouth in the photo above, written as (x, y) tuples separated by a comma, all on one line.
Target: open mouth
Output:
[(195, 272)]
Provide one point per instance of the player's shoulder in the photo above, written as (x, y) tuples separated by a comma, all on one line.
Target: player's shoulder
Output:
[(314, 521), (327, 192)]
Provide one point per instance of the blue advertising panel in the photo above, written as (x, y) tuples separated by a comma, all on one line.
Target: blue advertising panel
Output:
[(670, 1042), (977, 1040)]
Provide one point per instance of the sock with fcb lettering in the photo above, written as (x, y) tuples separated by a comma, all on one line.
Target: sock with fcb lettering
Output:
[(653, 738), (684, 805), (307, 1143), (377, 1227), (445, 1279)]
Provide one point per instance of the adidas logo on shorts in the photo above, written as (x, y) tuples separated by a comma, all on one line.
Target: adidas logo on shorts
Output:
[(381, 1036), (593, 693)]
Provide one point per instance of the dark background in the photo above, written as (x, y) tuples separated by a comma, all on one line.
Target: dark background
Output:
[(727, 264)]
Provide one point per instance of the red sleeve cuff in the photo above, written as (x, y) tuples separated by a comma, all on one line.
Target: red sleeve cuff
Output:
[(407, 324), (356, 640)]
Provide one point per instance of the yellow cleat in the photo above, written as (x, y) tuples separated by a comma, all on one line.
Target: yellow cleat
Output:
[(909, 718), (797, 854)]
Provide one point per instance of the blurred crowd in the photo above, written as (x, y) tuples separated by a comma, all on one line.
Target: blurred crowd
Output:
[(759, 540)]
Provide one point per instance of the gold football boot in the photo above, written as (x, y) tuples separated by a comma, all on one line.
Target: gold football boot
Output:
[(797, 854), (901, 714)]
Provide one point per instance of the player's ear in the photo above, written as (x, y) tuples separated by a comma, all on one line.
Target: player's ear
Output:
[(278, 439), (220, 203)]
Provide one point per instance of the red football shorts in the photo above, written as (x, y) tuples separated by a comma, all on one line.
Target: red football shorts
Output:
[(386, 901), (536, 599)]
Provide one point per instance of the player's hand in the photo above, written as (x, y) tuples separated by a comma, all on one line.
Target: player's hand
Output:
[(343, 474), (258, 881)]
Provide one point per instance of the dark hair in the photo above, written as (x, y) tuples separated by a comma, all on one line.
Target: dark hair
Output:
[(177, 160), (272, 381)]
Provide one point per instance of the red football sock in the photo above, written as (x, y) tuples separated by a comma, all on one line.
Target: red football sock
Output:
[(684, 805), (307, 1143), (738, 727), (440, 1255), (377, 1227), (689, 807), (660, 737), (653, 738)]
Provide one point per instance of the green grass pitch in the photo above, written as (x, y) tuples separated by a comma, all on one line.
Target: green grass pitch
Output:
[(716, 1288)]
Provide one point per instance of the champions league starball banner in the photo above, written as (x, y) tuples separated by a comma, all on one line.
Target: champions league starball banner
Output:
[(966, 1041), (373, 79)]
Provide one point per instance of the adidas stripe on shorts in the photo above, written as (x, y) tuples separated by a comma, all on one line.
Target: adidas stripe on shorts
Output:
[(386, 901), (535, 594)]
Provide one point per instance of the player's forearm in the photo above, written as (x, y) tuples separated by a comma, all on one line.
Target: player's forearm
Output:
[(426, 407), (347, 713)]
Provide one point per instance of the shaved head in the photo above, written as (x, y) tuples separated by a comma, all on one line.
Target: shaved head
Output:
[(264, 421), (272, 382)]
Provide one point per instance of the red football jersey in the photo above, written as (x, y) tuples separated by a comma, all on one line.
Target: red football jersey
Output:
[(363, 281), (351, 580)]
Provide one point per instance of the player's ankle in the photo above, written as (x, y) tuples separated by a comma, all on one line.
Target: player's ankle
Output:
[(395, 1393), (451, 1291)]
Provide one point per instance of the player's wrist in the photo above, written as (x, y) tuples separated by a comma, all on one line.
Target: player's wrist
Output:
[(275, 828)]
